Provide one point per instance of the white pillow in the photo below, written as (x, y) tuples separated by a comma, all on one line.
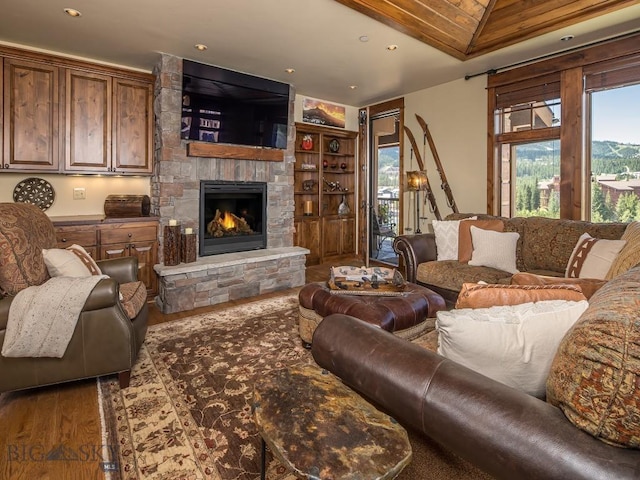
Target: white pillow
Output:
[(494, 249), (593, 257), (514, 344), (447, 234), (68, 262)]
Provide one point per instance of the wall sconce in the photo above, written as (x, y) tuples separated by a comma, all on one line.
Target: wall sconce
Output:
[(416, 182)]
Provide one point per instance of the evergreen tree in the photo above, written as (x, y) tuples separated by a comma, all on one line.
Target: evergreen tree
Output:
[(535, 200), (598, 206), (627, 207)]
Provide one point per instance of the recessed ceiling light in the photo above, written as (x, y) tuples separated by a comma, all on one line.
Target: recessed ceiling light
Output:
[(200, 46), (364, 38), (72, 12), (391, 48), (290, 70), (566, 38), (353, 87)]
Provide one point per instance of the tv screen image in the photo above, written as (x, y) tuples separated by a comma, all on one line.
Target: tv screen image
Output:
[(223, 106)]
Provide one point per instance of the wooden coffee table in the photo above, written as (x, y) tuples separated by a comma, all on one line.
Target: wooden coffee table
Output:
[(319, 428)]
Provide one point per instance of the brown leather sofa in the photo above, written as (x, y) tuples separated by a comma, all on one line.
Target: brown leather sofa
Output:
[(105, 341), (503, 431)]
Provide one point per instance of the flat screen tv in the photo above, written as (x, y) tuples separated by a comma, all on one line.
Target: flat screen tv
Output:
[(223, 106)]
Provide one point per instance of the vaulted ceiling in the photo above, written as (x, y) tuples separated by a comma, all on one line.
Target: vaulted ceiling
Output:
[(468, 28)]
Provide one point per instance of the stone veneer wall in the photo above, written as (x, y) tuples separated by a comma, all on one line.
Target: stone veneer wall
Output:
[(175, 186)]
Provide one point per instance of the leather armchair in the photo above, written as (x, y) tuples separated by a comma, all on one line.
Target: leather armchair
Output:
[(105, 341)]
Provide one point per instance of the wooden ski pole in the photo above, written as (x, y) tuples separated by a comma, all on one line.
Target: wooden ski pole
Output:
[(430, 196), (443, 177)]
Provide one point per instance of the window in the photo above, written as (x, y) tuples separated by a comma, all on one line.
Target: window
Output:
[(527, 122), (613, 100), (548, 153)]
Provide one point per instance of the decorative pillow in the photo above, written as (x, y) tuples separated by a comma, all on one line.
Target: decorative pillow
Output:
[(589, 286), (447, 235), (595, 376), (494, 249), (84, 256), (64, 263), (593, 257), (629, 256), (475, 295), (512, 344), (465, 244)]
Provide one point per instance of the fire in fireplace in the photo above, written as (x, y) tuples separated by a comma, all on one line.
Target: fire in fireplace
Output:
[(232, 216)]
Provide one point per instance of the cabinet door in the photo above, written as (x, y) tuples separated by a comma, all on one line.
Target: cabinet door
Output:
[(331, 244), (308, 236), (348, 235), (147, 254), (132, 149), (87, 122), (31, 116)]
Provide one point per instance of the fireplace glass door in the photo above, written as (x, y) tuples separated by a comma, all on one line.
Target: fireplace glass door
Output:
[(232, 216)]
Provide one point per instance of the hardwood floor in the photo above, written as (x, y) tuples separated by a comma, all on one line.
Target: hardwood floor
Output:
[(34, 423)]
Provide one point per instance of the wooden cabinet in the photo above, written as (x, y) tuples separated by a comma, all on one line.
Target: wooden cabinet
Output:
[(61, 115), (88, 122), (325, 191), (114, 238), (132, 127), (133, 240), (31, 122), (339, 236), (307, 235)]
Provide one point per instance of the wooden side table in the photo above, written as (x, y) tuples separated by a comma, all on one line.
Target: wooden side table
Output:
[(319, 428)]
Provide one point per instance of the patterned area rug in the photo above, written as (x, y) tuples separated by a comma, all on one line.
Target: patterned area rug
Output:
[(187, 413)]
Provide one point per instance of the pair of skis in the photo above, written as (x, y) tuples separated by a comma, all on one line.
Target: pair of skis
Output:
[(443, 178)]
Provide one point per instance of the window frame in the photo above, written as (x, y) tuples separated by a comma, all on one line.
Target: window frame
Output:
[(571, 69)]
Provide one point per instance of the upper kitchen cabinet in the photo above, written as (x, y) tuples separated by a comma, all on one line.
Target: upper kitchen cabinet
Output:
[(132, 126), (30, 116), (108, 122), (68, 116)]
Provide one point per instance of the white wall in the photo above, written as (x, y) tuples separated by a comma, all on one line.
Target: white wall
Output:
[(97, 188), (456, 113)]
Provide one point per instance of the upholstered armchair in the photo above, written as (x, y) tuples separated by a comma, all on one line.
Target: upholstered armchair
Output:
[(111, 326)]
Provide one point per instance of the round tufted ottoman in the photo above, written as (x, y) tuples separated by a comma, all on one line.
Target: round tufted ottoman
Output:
[(408, 315)]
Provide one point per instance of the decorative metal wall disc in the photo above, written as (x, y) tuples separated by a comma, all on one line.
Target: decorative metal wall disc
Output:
[(36, 191)]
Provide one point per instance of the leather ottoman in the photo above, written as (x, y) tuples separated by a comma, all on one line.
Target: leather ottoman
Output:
[(408, 315)]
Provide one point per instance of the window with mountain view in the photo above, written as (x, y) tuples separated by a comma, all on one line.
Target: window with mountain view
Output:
[(565, 136), (615, 154)]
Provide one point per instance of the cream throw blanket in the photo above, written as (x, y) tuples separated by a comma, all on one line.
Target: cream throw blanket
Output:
[(42, 318)]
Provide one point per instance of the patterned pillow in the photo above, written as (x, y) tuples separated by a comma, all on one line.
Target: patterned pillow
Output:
[(447, 233), (629, 256), (595, 376), (85, 258), (592, 257), (24, 231)]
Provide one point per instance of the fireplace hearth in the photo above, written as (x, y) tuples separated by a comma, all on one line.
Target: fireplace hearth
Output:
[(232, 216)]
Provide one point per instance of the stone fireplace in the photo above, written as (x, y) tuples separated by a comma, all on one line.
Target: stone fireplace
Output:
[(175, 194)]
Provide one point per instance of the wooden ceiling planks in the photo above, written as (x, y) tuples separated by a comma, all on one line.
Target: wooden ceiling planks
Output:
[(468, 28)]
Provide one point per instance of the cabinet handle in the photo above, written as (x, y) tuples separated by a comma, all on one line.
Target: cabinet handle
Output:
[(64, 240), (130, 235)]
